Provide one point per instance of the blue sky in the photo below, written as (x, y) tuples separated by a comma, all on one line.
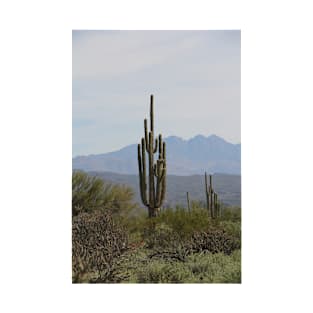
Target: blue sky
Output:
[(194, 76)]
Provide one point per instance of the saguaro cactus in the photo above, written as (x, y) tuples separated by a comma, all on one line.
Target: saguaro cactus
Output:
[(156, 186), (188, 202), (211, 198)]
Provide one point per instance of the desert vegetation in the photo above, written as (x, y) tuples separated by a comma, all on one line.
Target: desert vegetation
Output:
[(116, 241)]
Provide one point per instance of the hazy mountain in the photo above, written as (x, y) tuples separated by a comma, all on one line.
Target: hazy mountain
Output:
[(227, 186), (184, 157)]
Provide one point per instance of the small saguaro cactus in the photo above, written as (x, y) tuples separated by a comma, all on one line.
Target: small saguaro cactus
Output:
[(188, 201), (153, 192), (215, 205), (211, 198)]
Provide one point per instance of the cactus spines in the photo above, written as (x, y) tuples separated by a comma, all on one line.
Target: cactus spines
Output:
[(156, 170), (211, 198)]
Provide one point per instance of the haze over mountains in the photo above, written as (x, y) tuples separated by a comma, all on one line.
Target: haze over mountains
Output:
[(184, 157)]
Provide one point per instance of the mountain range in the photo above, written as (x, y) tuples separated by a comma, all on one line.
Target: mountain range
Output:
[(184, 157)]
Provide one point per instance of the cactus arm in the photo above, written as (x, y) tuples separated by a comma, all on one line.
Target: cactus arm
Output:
[(163, 181), (146, 133), (151, 172), (156, 146), (163, 151), (140, 173), (160, 147), (151, 113), (158, 176), (144, 182), (160, 181), (155, 170)]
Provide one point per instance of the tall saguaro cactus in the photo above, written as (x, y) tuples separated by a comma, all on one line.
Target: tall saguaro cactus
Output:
[(211, 198), (153, 192)]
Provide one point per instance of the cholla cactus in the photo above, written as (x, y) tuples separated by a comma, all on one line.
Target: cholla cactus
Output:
[(156, 185), (98, 243)]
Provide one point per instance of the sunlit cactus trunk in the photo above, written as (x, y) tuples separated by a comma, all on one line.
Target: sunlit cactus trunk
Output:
[(152, 192)]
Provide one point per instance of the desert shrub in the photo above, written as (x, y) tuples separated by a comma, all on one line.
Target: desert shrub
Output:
[(231, 228), (164, 243), (167, 245), (120, 200), (231, 214), (214, 268), (180, 221), (196, 204), (214, 241), (184, 223), (159, 235), (97, 244), (162, 272), (176, 231), (198, 268), (91, 193)]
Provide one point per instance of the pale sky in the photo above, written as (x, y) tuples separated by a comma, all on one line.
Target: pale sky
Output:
[(193, 75)]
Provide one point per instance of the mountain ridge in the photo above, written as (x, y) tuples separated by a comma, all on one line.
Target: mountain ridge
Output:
[(184, 157)]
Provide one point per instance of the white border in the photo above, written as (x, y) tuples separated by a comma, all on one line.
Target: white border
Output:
[(36, 155)]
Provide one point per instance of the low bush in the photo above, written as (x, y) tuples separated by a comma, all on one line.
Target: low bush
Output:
[(159, 235), (167, 244), (163, 272), (198, 268), (184, 223), (171, 223), (97, 244), (214, 268), (214, 241), (231, 214), (91, 193), (231, 228)]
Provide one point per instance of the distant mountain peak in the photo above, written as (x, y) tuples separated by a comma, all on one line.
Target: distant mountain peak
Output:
[(198, 137), (174, 138), (185, 157), (214, 136)]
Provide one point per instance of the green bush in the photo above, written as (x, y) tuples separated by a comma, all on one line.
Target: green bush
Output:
[(214, 241), (231, 228), (91, 193), (182, 222), (207, 268), (162, 272), (231, 214), (159, 235), (215, 268)]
